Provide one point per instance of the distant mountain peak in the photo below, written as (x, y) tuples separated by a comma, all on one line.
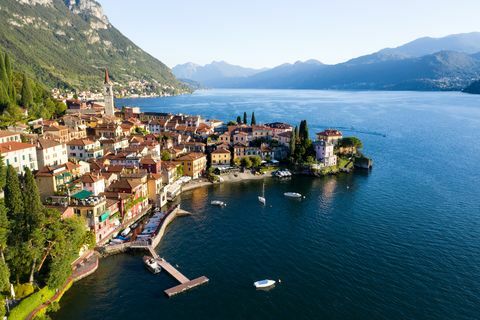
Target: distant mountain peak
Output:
[(88, 9), (36, 2)]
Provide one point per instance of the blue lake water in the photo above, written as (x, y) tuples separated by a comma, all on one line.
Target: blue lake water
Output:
[(402, 242)]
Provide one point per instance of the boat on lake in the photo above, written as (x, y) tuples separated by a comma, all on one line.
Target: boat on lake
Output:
[(151, 264), (261, 284), (262, 197), (218, 203), (292, 195)]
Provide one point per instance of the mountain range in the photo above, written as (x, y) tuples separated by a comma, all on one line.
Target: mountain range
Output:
[(212, 74), (68, 43), (447, 63)]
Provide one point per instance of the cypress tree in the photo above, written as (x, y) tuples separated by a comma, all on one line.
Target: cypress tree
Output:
[(245, 118), (35, 218), (253, 121), (4, 230), (3, 173), (292, 143), (11, 86), (3, 72), (27, 96), (4, 99), (239, 120), (13, 195)]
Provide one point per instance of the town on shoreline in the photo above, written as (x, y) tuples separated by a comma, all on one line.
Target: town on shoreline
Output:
[(107, 168)]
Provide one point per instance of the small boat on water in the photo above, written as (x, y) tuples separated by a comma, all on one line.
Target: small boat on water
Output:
[(292, 195), (218, 203), (262, 197), (264, 283), (151, 264)]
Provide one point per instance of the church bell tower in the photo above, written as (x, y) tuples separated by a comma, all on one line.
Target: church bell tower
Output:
[(108, 95)]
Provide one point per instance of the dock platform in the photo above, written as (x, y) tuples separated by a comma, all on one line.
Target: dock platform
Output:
[(186, 286)]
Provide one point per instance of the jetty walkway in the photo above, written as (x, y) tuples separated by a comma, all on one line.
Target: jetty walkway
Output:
[(149, 245)]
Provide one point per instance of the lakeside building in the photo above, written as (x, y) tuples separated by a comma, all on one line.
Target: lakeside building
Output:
[(108, 96), (220, 157), (19, 155), (325, 153), (330, 135), (194, 164), (51, 153)]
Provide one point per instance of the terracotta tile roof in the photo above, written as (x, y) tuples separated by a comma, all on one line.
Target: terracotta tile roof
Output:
[(131, 184), (330, 133), (47, 143), (14, 146), (91, 178), (220, 151), (4, 133), (154, 176), (54, 128), (192, 156), (80, 142)]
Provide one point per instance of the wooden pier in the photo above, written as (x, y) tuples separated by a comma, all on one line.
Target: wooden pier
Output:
[(186, 286), (185, 283)]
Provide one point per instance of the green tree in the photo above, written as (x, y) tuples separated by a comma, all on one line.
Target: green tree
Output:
[(253, 121), (3, 72), (166, 156), (4, 276), (4, 230), (245, 120), (256, 161), (26, 99), (13, 195), (4, 100), (3, 173), (246, 162), (231, 123), (11, 87), (239, 120), (35, 219), (292, 143)]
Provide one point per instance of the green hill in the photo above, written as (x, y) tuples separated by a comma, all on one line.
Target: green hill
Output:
[(68, 43)]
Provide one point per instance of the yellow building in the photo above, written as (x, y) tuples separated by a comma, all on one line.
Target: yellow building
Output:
[(194, 164), (220, 157)]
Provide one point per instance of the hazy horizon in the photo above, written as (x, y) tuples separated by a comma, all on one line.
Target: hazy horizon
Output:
[(270, 33)]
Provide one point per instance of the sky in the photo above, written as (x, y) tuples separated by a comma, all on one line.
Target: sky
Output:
[(266, 33)]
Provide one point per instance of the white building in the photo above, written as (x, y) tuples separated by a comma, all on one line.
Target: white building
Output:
[(51, 153), (94, 183), (19, 155), (324, 153), (7, 136), (84, 149)]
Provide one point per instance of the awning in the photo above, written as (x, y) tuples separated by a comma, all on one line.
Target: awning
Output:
[(104, 216), (84, 194)]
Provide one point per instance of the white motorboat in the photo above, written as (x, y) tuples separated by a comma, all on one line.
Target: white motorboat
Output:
[(262, 197), (264, 283), (218, 203), (151, 264), (125, 232), (292, 195)]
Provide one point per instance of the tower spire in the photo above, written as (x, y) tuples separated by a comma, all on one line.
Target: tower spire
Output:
[(107, 77)]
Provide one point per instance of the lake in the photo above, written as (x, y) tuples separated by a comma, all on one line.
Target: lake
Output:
[(400, 242)]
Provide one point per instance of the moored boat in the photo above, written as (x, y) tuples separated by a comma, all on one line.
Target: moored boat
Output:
[(292, 195), (218, 203), (151, 264), (264, 283)]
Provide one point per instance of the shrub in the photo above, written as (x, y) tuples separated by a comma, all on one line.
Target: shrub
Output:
[(29, 304), (23, 290)]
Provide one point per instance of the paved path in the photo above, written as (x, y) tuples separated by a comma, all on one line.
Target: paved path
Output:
[(81, 269)]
